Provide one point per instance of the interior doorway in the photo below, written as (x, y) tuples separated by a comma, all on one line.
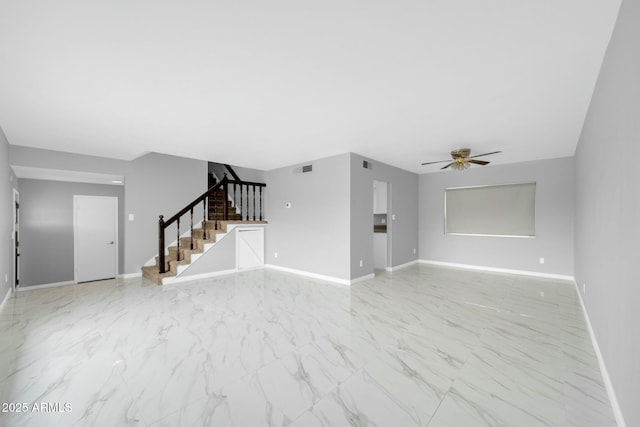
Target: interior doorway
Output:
[(381, 226), (95, 232), (16, 239)]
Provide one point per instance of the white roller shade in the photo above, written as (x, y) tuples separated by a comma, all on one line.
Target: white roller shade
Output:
[(496, 210)]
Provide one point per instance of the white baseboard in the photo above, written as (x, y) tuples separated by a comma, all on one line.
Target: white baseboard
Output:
[(181, 279), (317, 276), (48, 285), (498, 270), (401, 266), (129, 275), (6, 298), (617, 412), (362, 278)]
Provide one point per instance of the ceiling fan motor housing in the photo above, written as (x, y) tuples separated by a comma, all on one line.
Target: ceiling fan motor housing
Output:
[(460, 152)]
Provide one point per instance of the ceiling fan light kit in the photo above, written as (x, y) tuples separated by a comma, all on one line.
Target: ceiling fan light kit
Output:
[(462, 159), (460, 164)]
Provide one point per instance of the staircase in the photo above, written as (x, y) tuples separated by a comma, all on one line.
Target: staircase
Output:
[(223, 205), (216, 207)]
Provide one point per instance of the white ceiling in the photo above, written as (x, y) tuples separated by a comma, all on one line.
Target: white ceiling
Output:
[(265, 84)]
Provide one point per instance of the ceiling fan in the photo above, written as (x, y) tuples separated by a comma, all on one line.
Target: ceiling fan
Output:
[(462, 160)]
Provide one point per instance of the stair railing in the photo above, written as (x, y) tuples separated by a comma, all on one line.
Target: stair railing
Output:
[(250, 212)]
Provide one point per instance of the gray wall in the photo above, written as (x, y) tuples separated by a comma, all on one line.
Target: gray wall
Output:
[(314, 234), (251, 175), (361, 218), (155, 184), (7, 183), (402, 200), (607, 222), (49, 159), (221, 257), (46, 228), (554, 219), (158, 184)]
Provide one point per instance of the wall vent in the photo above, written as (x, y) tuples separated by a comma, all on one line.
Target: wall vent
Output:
[(303, 169), (367, 164)]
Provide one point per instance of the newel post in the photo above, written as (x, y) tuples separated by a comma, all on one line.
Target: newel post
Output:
[(161, 244)]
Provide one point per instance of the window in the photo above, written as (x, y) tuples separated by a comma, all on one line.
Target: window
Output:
[(492, 210)]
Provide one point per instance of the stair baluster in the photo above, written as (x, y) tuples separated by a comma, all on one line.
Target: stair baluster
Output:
[(260, 204), (191, 240), (161, 244), (241, 188), (205, 217), (178, 233), (235, 195), (225, 198), (217, 194)]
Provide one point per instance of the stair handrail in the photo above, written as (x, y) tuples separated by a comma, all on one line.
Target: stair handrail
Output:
[(232, 172), (225, 183)]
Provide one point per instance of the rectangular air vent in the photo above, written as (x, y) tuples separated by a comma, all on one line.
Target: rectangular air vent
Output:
[(303, 169)]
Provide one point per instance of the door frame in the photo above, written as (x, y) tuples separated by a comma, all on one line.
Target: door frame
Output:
[(75, 232), (15, 237), (390, 215)]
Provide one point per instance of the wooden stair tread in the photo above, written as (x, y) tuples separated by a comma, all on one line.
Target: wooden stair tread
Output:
[(152, 273)]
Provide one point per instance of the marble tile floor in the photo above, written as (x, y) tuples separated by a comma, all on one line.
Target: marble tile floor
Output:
[(423, 346)]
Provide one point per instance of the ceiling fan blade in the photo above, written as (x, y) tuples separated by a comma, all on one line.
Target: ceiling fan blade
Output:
[(479, 162), (431, 163), (485, 154), (447, 165)]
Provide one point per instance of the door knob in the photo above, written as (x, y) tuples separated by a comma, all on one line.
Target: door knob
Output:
[(111, 242)]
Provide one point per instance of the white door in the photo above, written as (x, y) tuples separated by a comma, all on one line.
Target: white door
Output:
[(250, 248), (95, 227)]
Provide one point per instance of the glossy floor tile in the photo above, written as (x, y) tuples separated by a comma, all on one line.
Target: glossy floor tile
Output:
[(423, 346)]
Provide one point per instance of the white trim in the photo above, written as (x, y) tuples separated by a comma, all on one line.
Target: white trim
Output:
[(498, 270), (362, 278), (48, 285), (401, 266), (6, 298), (129, 275), (617, 412), (177, 279), (309, 274), (491, 235)]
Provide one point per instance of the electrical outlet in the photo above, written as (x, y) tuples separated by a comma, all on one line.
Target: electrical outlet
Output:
[(275, 255), (6, 278), (584, 288), (360, 263), (541, 260), (414, 251), (542, 294)]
